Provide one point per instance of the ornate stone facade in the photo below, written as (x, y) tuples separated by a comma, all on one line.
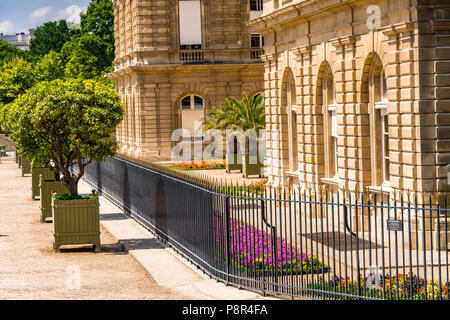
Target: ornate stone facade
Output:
[(357, 93), (160, 78)]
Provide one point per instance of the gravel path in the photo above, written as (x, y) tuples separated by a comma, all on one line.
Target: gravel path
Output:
[(29, 269)]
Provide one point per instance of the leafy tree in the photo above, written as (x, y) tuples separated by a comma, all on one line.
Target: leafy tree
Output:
[(246, 113), (50, 36), (99, 20), (85, 57), (49, 68), (8, 52), (63, 123), (16, 76)]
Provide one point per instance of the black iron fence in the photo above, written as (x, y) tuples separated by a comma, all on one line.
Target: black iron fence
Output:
[(299, 244)]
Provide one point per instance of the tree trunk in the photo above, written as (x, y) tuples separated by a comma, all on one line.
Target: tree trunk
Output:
[(73, 188), (71, 185)]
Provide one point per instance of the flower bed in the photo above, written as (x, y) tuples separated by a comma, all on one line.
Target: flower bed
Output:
[(199, 165), (400, 287), (253, 250), (255, 188)]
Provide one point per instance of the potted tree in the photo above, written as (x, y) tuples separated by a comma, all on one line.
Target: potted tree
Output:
[(47, 189), (245, 115), (16, 76), (234, 154), (61, 124), (36, 173), (26, 166)]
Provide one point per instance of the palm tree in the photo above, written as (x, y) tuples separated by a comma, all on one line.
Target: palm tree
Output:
[(246, 113)]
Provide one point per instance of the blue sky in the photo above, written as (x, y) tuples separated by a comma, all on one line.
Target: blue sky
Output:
[(20, 15)]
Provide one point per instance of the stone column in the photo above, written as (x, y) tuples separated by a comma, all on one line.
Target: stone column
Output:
[(273, 128), (310, 155)]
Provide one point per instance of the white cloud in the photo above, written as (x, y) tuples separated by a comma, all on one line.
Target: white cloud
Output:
[(6, 27), (71, 13), (45, 14), (41, 15)]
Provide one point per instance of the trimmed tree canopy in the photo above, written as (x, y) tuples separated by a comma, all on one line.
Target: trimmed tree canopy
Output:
[(63, 123), (16, 76), (50, 67)]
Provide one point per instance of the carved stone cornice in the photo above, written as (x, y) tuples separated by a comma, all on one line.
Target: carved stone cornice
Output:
[(342, 41), (395, 29), (302, 50), (269, 57)]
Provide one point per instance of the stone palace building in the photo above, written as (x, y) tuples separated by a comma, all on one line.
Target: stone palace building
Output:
[(357, 93), (175, 59), (20, 40)]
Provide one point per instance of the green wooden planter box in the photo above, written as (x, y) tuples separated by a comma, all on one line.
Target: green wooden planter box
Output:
[(251, 168), (19, 161), (26, 166), (36, 172), (48, 187), (232, 161), (76, 222)]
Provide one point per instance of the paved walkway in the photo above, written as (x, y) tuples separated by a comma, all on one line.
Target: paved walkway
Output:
[(29, 269)]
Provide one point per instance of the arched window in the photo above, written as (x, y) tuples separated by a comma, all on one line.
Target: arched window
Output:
[(330, 115), (292, 123), (192, 111), (379, 103)]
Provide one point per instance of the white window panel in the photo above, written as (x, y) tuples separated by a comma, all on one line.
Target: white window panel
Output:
[(334, 131), (190, 22)]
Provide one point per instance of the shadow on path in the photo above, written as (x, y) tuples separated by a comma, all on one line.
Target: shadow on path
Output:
[(139, 244)]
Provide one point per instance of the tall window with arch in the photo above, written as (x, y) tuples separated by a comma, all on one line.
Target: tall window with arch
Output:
[(192, 111), (291, 109), (330, 116), (381, 127)]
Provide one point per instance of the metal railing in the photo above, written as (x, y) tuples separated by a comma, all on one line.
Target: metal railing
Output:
[(297, 244)]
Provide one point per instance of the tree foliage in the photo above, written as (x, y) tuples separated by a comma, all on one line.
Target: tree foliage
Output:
[(50, 67), (16, 76), (8, 52), (246, 113), (51, 36), (84, 57), (60, 123), (99, 20)]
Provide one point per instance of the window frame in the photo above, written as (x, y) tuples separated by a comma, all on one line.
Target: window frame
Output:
[(380, 139), (330, 113), (191, 46), (258, 5), (192, 102), (260, 40), (193, 136)]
